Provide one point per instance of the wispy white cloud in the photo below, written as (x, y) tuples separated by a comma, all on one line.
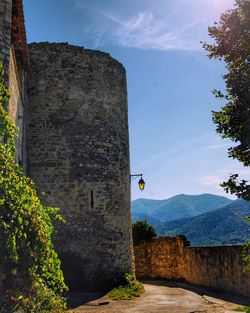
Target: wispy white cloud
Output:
[(158, 24), (145, 26), (219, 176), (218, 146), (145, 31), (211, 181)]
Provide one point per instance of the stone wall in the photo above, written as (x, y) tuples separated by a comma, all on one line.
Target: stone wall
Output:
[(14, 56), (218, 268), (12, 32), (78, 154), (16, 107), (5, 32), (160, 258)]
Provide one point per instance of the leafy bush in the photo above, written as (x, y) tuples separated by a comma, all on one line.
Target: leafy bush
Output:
[(242, 309), (142, 231), (33, 278), (132, 289)]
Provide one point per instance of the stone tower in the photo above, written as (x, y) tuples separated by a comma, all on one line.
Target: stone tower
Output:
[(78, 155)]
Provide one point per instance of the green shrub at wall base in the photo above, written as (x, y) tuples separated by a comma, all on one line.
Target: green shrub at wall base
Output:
[(33, 280), (132, 289)]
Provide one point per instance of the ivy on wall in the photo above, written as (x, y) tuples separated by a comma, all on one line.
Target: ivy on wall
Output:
[(30, 275)]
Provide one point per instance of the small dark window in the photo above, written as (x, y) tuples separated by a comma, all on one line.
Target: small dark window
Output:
[(20, 161), (92, 199)]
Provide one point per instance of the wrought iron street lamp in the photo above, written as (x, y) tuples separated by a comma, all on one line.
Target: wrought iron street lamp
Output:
[(141, 182)]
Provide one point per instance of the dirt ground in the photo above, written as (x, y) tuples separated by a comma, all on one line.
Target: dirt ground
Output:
[(160, 297)]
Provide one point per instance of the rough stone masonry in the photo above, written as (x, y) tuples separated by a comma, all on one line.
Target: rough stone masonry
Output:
[(78, 155), (14, 56), (173, 258)]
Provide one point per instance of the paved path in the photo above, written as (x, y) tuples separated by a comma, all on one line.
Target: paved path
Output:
[(159, 297)]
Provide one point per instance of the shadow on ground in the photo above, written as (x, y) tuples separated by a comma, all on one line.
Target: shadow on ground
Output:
[(76, 299), (241, 300)]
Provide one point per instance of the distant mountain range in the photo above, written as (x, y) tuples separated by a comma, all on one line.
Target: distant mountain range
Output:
[(225, 225), (177, 207), (204, 219)]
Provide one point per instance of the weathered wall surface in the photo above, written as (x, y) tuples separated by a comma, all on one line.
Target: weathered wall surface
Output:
[(78, 154), (213, 267), (12, 32), (16, 107), (5, 32), (216, 267), (160, 258), (14, 56)]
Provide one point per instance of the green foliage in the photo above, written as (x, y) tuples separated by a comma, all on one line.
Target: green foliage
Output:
[(132, 289), (34, 280), (142, 231), (242, 309), (240, 189), (232, 37)]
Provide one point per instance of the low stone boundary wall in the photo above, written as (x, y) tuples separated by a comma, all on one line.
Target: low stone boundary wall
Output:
[(173, 258)]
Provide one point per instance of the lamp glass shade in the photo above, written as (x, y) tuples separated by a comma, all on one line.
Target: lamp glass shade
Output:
[(141, 183)]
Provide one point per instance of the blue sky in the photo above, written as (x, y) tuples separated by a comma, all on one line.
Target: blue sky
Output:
[(172, 138)]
